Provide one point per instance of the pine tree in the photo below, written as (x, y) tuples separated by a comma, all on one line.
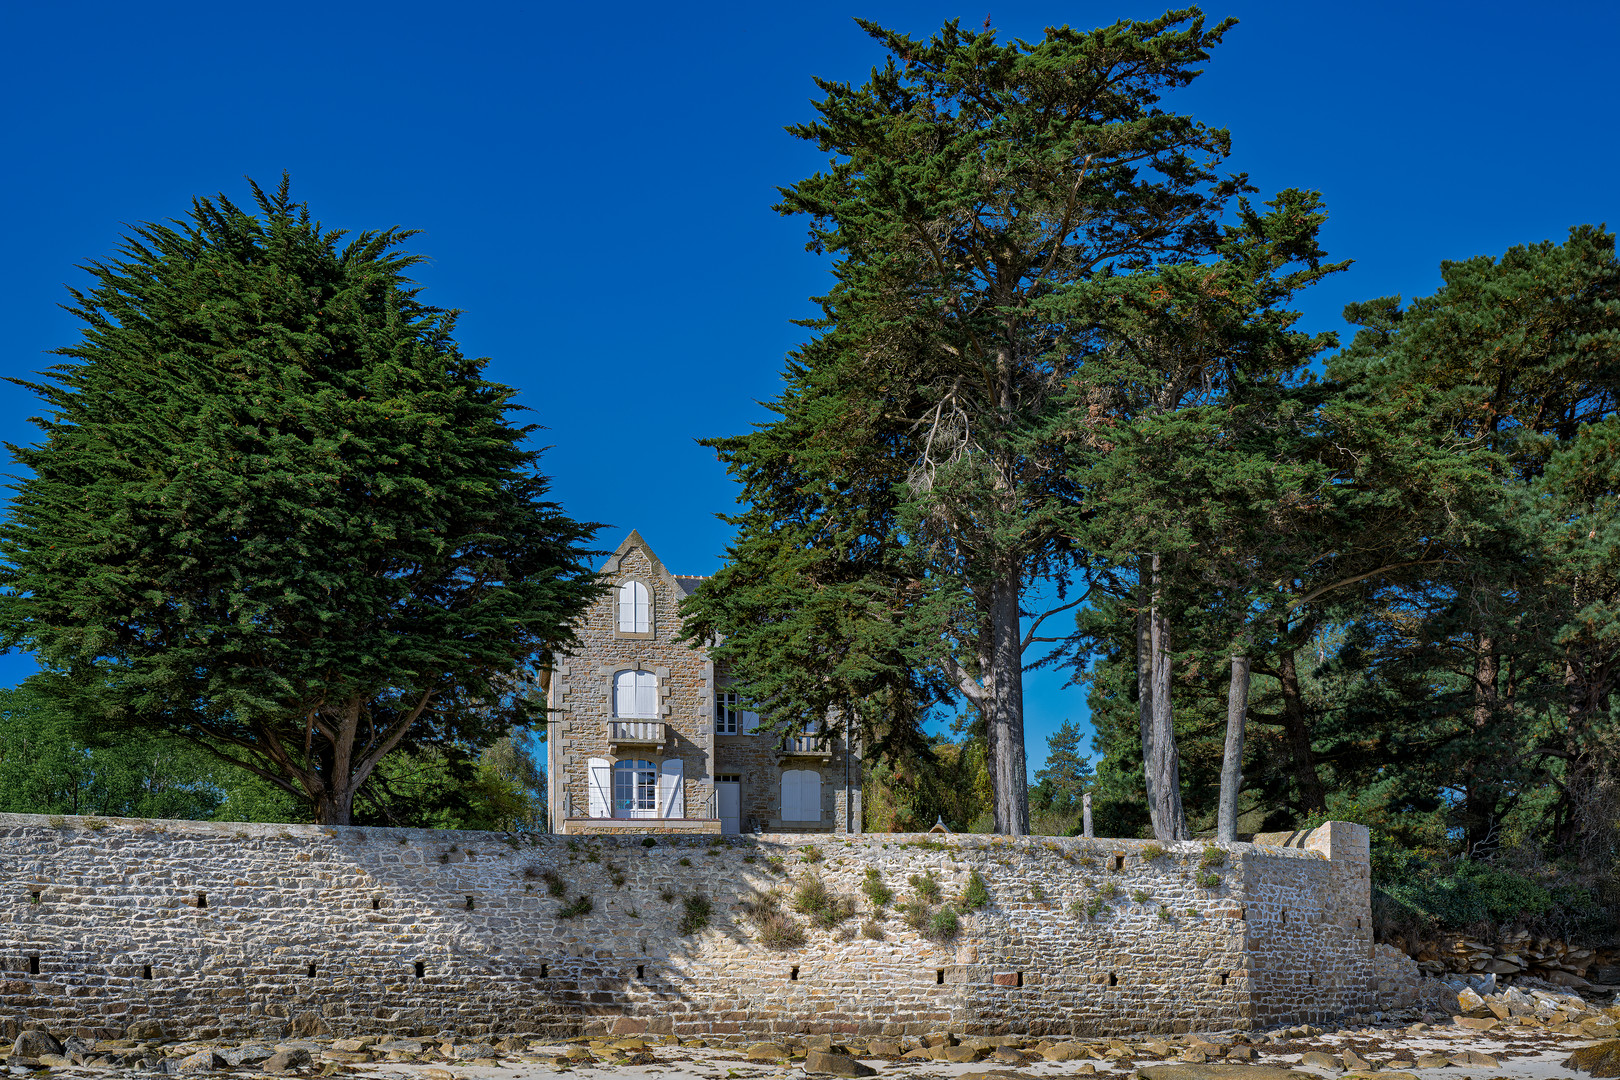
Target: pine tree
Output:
[(276, 512)]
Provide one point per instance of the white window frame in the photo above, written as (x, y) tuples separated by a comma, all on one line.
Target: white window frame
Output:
[(633, 608), (730, 718), (635, 788), (642, 696)]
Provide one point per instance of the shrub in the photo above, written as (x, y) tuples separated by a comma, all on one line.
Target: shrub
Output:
[(879, 894), (555, 885), (945, 925), (616, 875), (915, 912), (1210, 880), (1213, 856), (1164, 914), (1079, 910), (774, 863), (1037, 893), (780, 932), (749, 858), (646, 841), (580, 905), (695, 915), (975, 894), (823, 906), (1140, 896), (1152, 851), (872, 931), (667, 896), (811, 853), (926, 886), (684, 861)]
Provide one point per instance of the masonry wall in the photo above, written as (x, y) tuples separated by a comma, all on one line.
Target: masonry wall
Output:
[(299, 929)]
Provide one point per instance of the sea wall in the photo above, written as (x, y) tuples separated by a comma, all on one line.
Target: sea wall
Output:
[(280, 929)]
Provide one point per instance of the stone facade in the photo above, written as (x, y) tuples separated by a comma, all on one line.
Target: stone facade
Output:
[(681, 729), (270, 930)]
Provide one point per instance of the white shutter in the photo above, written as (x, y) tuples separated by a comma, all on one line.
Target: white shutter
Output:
[(646, 694), (790, 795), (750, 723), (809, 795), (672, 788), (600, 772)]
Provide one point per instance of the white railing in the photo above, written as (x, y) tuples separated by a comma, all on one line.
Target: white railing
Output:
[(807, 745), (636, 731)]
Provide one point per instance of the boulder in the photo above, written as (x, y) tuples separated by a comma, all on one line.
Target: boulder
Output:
[(1066, 1051), (1482, 1061), (1477, 1023), (35, 1044), (1599, 1059), (200, 1062), (885, 1048), (1354, 1062), (958, 1054), (354, 1046), (1431, 1061), (146, 1031), (250, 1054), (1318, 1060), (1223, 1071), (825, 1061), (283, 1060), (766, 1051)]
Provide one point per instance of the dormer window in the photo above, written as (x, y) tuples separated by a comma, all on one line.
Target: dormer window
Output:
[(635, 608)]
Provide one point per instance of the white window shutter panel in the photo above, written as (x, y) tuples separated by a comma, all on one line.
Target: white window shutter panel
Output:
[(672, 788), (810, 795), (790, 795), (626, 607), (600, 775), (646, 694), (750, 722)]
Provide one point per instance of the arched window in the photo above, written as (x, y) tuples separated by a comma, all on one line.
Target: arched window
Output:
[(635, 789), (801, 795), (635, 608), (635, 695)]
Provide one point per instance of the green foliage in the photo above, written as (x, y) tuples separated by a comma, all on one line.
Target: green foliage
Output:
[(1209, 880), (871, 930), (916, 913), (1141, 896), (269, 506), (944, 925), (913, 479), (1149, 852), (1055, 799), (926, 886), (580, 905), (820, 904), (683, 861), (1213, 856), (776, 929), (647, 841), (811, 853), (877, 893), (975, 894), (695, 913)]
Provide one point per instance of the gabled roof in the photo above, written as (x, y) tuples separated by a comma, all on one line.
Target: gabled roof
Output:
[(684, 585)]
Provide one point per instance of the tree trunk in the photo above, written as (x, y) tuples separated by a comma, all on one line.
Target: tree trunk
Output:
[(1161, 761), (1237, 712), (1144, 687), (1009, 778), (1312, 796)]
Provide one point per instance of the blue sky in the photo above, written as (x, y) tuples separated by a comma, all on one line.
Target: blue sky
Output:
[(594, 184)]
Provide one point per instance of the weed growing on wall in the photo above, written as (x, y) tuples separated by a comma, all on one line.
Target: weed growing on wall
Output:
[(820, 904), (695, 913), (580, 905), (945, 925), (926, 886), (1210, 880), (684, 861), (616, 875), (647, 841), (872, 931), (916, 913), (1213, 856), (1140, 896), (667, 896), (877, 893), (555, 885), (776, 929), (1164, 914), (774, 863), (811, 853), (975, 894), (1150, 852), (1037, 893)]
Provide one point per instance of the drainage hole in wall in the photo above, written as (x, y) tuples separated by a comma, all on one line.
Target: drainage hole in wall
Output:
[(939, 976), (641, 971), (793, 976), (1020, 981), (309, 972), (33, 966), (1113, 980), (545, 970), (1223, 978), (1118, 862), (421, 969), (1285, 918), (376, 905), (470, 904), (146, 971), (34, 896), (202, 899)]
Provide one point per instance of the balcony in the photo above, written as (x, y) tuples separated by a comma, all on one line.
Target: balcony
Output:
[(635, 733), (816, 747)]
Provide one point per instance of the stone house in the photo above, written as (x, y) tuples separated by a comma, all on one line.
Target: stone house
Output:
[(645, 735)]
